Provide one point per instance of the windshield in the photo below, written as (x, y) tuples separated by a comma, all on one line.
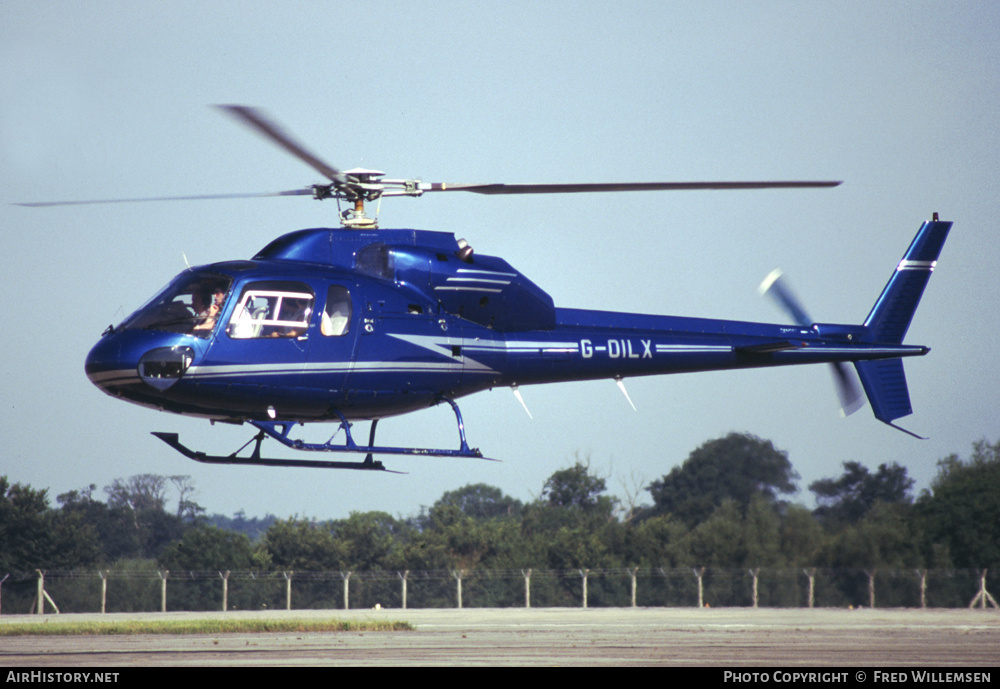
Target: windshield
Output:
[(190, 305)]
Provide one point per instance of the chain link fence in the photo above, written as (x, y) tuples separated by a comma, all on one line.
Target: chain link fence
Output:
[(140, 587)]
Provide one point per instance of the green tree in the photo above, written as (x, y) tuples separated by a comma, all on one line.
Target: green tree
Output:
[(848, 499), (301, 545), (571, 498), (206, 549), (138, 524), (733, 538), (253, 527), (572, 526), (33, 536), (117, 539), (737, 467), (24, 527), (370, 541), (481, 501), (960, 512), (885, 541), (305, 548), (138, 493), (455, 540), (802, 537), (762, 535), (657, 542), (886, 538), (577, 487)]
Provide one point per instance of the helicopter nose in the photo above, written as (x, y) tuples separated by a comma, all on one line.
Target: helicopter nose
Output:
[(105, 368), (118, 363)]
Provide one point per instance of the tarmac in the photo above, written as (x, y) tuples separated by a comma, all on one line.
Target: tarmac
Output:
[(725, 638)]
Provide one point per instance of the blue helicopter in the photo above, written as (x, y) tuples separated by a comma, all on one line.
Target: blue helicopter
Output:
[(361, 323)]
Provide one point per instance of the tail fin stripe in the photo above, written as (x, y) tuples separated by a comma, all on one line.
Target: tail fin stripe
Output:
[(916, 265)]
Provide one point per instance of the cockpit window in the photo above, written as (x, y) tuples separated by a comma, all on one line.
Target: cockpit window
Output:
[(337, 314), (190, 305), (272, 309)]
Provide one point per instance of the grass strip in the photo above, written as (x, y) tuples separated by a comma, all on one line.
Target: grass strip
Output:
[(236, 626)]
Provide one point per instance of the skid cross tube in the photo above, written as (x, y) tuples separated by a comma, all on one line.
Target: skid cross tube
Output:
[(279, 430)]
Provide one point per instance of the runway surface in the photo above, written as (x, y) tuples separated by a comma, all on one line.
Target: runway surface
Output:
[(727, 638)]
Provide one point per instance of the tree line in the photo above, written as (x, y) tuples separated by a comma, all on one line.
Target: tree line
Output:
[(725, 508)]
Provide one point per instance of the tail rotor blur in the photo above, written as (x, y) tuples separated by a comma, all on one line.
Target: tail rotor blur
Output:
[(849, 390)]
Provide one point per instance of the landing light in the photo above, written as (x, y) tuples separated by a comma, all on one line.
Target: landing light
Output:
[(163, 366)]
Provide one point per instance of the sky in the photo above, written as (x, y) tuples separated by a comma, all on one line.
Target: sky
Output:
[(900, 100)]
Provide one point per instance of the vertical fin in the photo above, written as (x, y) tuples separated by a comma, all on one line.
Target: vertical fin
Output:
[(884, 380), (890, 317), (885, 384)]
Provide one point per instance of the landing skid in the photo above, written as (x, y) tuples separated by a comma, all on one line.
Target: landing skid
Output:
[(280, 432)]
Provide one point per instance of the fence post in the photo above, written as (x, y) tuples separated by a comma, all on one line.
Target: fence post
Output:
[(225, 590), (526, 573), (43, 595), (40, 593), (922, 573), (632, 574), (1, 584), (403, 577), (347, 579), (871, 587), (983, 596), (583, 575), (458, 579), (288, 589), (700, 573), (811, 573), (104, 589), (755, 572), (163, 589)]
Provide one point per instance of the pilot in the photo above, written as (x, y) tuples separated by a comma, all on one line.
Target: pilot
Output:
[(209, 317), (198, 304)]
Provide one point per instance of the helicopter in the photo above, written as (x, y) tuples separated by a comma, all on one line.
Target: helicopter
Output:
[(359, 323)]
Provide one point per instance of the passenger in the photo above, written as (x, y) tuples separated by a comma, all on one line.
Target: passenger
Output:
[(334, 324), (299, 311), (242, 325), (219, 296)]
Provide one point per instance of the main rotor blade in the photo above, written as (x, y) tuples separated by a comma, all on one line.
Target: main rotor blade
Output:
[(293, 192), (255, 119), (619, 186)]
